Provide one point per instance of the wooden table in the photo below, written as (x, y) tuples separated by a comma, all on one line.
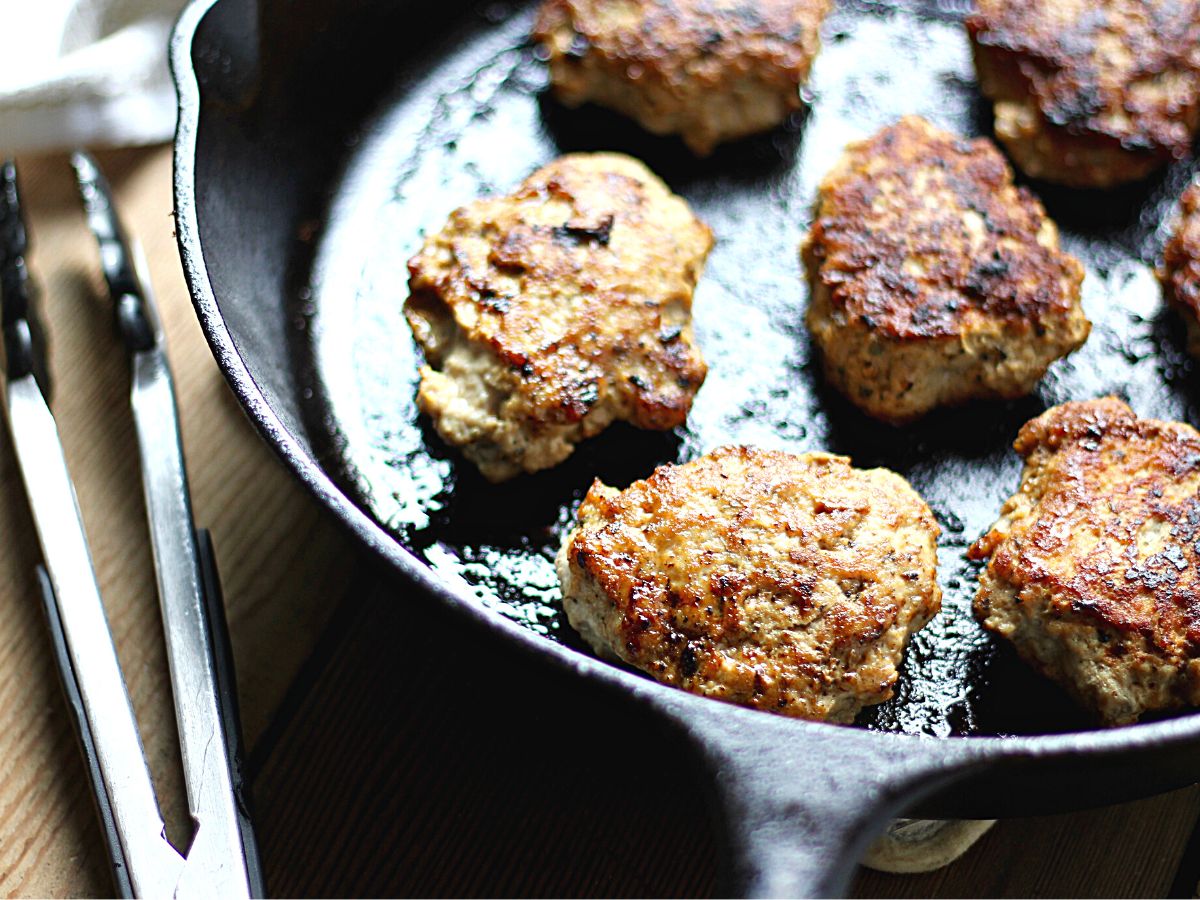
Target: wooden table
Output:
[(394, 748)]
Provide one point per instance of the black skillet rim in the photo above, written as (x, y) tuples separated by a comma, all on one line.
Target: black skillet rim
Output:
[(982, 748)]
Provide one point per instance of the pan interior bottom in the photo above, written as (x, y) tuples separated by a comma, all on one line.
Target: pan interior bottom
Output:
[(473, 119)]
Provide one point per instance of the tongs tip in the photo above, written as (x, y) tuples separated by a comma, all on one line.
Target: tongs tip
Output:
[(120, 258)]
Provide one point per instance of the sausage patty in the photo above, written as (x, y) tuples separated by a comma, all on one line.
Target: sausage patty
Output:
[(709, 70), (934, 280), (786, 583), (1094, 566), (548, 313), (1090, 93)]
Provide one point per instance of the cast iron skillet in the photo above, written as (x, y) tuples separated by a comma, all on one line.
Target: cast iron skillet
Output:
[(317, 139)]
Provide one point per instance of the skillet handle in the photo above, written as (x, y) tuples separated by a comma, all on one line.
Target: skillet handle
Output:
[(800, 802)]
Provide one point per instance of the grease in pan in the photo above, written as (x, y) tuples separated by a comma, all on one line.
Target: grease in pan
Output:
[(1180, 271), (497, 542)]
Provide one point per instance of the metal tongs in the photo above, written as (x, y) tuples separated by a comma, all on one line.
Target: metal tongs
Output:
[(222, 859)]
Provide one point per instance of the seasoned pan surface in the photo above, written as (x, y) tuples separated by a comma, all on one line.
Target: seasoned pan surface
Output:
[(471, 117)]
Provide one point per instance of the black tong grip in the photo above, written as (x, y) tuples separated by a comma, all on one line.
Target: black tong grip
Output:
[(24, 343)]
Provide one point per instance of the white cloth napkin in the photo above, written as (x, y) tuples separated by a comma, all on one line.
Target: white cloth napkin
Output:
[(85, 72)]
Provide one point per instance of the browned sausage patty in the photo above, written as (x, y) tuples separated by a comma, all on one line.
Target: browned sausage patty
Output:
[(1180, 272), (786, 583), (934, 280), (548, 313), (1090, 93), (709, 70), (1094, 565)]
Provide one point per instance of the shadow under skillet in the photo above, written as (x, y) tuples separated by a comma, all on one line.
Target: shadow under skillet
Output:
[(1179, 369)]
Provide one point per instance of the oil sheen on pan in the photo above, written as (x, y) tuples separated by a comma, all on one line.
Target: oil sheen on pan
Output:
[(473, 118)]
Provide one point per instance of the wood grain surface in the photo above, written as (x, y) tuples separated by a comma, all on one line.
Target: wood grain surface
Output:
[(396, 750)]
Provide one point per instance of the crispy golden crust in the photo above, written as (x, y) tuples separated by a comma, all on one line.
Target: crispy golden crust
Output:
[(710, 70), (934, 279), (786, 583), (1180, 272), (1091, 93), (1093, 569), (549, 312)]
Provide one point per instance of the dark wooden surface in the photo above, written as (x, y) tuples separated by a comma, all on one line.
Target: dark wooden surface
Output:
[(421, 758), (396, 750)]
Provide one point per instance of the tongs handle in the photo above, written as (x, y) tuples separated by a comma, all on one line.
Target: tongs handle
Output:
[(217, 860), (222, 858), (24, 341), (155, 864)]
